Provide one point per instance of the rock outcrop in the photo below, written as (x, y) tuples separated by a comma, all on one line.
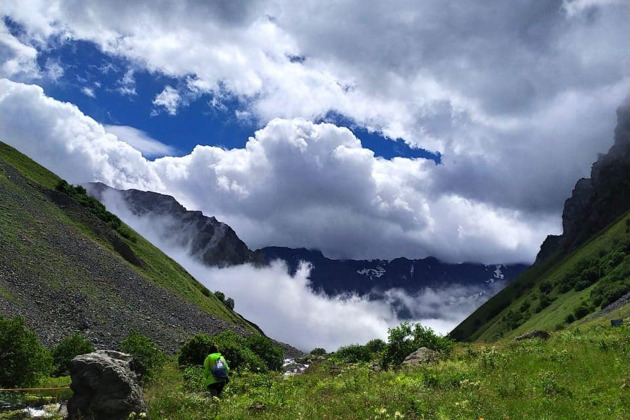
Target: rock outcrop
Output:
[(105, 387)]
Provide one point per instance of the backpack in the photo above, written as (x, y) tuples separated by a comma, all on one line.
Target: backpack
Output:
[(219, 370)]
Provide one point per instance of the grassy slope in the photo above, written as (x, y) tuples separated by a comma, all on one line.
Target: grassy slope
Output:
[(490, 321), (156, 265)]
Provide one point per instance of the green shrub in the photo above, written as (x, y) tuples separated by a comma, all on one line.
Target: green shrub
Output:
[(353, 353), (194, 379), (544, 300), (238, 355), (148, 356), (231, 345), (229, 302), (194, 351), (513, 319), (407, 338), (614, 293), (23, 360), (525, 306), (569, 319), (566, 284), (545, 287), (67, 349), (581, 311), (264, 348), (376, 345), (318, 351)]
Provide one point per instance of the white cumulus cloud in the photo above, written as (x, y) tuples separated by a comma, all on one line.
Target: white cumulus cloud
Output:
[(295, 183), (140, 140), (169, 99)]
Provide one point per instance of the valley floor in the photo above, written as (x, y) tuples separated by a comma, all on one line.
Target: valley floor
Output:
[(577, 374)]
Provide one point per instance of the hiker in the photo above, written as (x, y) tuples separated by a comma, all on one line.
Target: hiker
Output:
[(215, 372)]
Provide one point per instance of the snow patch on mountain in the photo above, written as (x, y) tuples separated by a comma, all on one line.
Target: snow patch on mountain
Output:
[(497, 274), (372, 273)]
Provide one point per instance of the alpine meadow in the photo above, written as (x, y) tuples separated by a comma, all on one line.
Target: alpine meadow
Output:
[(327, 210)]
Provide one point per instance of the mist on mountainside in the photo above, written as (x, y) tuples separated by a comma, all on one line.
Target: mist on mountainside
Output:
[(287, 309)]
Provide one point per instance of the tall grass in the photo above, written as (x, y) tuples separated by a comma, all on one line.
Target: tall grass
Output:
[(575, 375)]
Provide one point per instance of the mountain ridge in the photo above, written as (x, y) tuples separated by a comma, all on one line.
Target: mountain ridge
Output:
[(373, 279), (366, 277), (212, 242)]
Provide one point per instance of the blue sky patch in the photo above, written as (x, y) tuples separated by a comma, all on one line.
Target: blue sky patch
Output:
[(113, 91)]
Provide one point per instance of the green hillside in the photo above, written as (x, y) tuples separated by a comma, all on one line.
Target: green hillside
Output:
[(562, 291), (58, 247)]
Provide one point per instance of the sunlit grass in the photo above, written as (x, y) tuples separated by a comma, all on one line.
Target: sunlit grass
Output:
[(575, 375)]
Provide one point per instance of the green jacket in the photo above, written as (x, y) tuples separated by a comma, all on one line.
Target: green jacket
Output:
[(208, 364)]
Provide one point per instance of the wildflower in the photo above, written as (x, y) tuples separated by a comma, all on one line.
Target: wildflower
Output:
[(398, 415)]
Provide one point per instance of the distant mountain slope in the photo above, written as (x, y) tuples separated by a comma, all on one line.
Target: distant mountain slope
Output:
[(373, 276), (64, 270), (216, 244), (580, 272), (212, 242)]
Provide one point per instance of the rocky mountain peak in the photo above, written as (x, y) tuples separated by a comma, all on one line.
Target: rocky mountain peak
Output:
[(212, 242)]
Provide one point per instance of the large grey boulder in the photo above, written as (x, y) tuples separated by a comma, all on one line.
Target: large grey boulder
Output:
[(105, 387), (421, 356)]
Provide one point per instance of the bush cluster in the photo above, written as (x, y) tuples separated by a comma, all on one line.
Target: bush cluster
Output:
[(614, 286), (266, 350), (148, 356), (255, 353), (318, 351), (67, 349), (611, 269), (229, 302), (353, 353), (23, 360), (407, 338)]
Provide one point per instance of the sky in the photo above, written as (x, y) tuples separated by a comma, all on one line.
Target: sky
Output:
[(362, 128)]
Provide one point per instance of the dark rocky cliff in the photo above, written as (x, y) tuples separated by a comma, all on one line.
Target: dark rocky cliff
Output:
[(599, 200)]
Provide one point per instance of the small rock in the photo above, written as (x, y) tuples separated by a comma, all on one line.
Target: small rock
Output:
[(534, 334), (258, 407)]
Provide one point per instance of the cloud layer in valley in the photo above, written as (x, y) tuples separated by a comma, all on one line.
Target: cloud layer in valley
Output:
[(288, 310)]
